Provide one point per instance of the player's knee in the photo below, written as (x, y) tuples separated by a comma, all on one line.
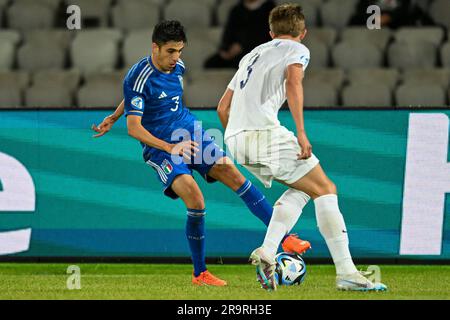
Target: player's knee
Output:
[(238, 178), (230, 172), (196, 202), (331, 188), (327, 188), (194, 198)]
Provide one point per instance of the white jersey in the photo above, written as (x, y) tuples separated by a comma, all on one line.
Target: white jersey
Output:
[(259, 85)]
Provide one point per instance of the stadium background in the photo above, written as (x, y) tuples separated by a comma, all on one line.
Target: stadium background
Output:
[(96, 198)]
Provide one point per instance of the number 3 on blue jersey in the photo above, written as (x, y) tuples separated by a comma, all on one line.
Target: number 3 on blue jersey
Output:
[(177, 103), (250, 70)]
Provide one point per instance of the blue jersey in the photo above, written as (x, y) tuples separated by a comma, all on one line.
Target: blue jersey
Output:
[(157, 98)]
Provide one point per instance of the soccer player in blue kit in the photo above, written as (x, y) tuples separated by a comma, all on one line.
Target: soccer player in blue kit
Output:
[(174, 144)]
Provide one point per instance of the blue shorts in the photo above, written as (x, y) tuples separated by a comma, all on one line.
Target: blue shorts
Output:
[(168, 167)]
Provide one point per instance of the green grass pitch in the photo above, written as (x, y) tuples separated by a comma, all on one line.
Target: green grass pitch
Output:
[(172, 282)]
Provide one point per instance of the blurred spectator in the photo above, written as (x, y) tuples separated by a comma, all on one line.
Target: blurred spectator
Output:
[(247, 27), (394, 13)]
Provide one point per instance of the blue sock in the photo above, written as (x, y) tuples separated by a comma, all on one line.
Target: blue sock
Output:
[(256, 202), (195, 233)]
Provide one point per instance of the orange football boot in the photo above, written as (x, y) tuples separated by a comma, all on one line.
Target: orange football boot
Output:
[(207, 279), (293, 244)]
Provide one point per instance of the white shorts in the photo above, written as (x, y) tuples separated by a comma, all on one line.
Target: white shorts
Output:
[(270, 155)]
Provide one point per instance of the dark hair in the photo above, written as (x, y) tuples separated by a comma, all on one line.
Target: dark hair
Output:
[(166, 31)]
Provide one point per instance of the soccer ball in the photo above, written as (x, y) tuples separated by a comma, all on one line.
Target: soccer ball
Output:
[(290, 269)]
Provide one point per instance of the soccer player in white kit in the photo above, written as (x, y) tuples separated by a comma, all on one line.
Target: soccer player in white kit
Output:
[(267, 76)]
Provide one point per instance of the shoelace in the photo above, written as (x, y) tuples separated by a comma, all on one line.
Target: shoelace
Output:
[(366, 273), (210, 276), (269, 270)]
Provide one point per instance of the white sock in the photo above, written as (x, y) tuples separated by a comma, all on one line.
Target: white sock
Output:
[(286, 212), (332, 227)]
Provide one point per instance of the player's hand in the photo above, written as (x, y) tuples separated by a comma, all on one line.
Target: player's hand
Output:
[(234, 50), (104, 127), (306, 147), (186, 149)]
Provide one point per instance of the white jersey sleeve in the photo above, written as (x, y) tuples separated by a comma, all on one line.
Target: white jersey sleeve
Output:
[(233, 82), (298, 54)]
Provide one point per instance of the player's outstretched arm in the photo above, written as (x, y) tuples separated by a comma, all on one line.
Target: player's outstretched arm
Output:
[(224, 107), (109, 121), (185, 149), (294, 93)]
